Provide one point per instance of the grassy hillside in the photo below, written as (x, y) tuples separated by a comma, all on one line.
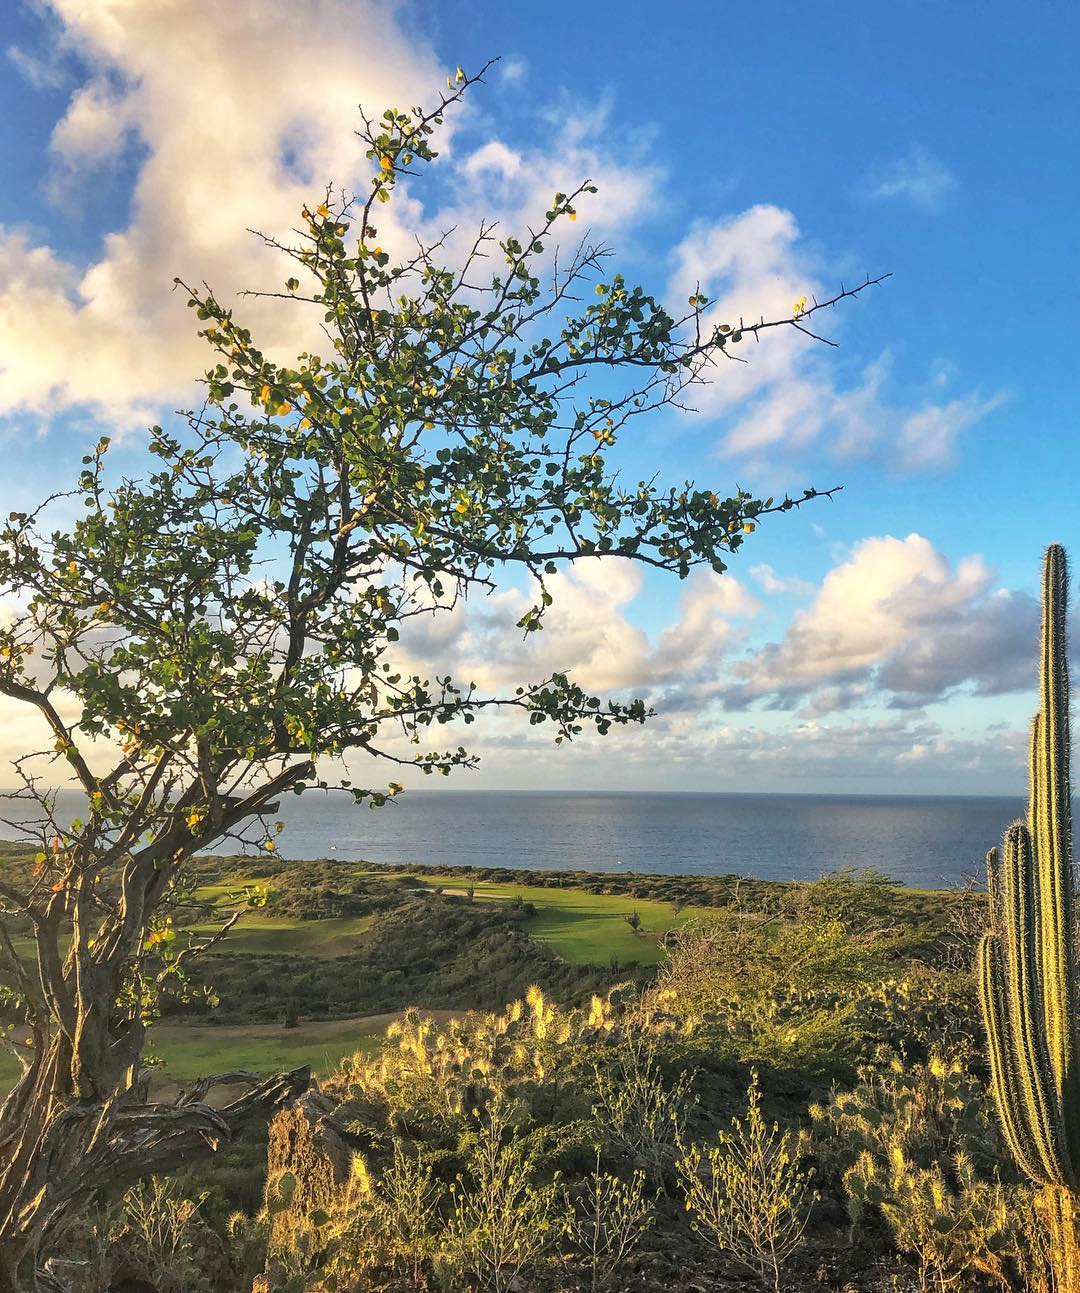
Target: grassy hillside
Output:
[(340, 946), (422, 942)]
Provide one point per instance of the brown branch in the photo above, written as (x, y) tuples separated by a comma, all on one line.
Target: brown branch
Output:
[(19, 691)]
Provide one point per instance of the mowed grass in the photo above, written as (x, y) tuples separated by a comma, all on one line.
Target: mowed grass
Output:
[(9, 1070), (192, 1050), (258, 934), (588, 928), (583, 928)]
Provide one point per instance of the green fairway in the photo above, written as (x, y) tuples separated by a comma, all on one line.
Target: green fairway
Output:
[(588, 928), (194, 1050), (9, 1070), (585, 928)]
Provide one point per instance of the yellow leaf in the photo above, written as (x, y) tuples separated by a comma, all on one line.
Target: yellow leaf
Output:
[(73, 568), (322, 209), (264, 394), (572, 215), (386, 163), (283, 409)]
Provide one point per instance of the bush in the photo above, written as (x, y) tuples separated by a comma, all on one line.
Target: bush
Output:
[(750, 1193), (532, 1146), (609, 1222), (506, 1218), (913, 1144), (639, 1110), (394, 1224), (154, 1238)]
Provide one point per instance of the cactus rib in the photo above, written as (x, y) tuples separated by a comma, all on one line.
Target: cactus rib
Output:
[(1028, 963)]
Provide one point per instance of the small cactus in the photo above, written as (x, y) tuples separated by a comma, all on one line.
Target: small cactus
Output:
[(1027, 958)]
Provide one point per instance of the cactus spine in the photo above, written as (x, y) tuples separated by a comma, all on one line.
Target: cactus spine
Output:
[(1028, 961)]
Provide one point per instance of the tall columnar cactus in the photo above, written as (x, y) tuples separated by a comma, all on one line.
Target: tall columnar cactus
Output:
[(1028, 959)]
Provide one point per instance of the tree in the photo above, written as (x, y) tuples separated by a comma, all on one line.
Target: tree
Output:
[(205, 639)]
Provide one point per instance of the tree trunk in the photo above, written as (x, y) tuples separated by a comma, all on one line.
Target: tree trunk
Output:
[(61, 1154), (307, 1147)]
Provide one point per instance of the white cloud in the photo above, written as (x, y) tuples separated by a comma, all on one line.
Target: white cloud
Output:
[(777, 585), (230, 130), (927, 437), (217, 95), (893, 627), (785, 398), (494, 156), (95, 127), (588, 632), (234, 130), (513, 70), (895, 621), (39, 73), (748, 262), (690, 750), (918, 178)]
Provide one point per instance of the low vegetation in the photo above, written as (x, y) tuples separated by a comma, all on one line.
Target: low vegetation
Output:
[(397, 945), (785, 1101)]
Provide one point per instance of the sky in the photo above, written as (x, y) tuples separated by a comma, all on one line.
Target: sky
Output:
[(882, 641)]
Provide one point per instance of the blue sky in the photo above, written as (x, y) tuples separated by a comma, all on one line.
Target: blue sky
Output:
[(878, 642)]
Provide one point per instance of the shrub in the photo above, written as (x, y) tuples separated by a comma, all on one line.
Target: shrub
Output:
[(609, 1222), (912, 1143), (640, 1110), (750, 1193), (154, 1235), (394, 1223), (432, 1077), (506, 1219), (954, 1224), (926, 1112)]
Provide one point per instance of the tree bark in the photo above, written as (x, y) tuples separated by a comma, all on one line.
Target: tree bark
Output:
[(65, 1152)]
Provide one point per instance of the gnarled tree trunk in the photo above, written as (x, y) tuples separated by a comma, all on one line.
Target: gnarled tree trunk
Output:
[(61, 1151)]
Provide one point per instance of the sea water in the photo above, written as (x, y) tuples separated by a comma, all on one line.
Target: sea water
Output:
[(926, 841)]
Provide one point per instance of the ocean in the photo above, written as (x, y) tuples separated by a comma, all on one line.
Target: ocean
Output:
[(928, 842), (925, 842)]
